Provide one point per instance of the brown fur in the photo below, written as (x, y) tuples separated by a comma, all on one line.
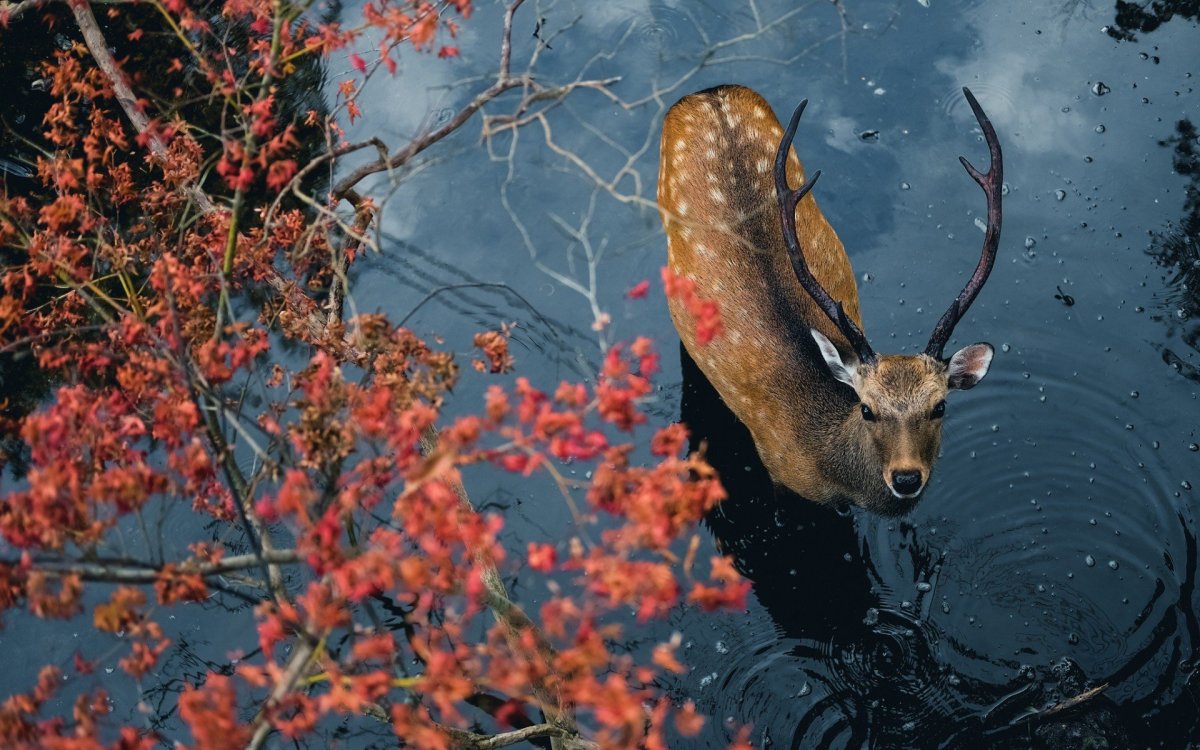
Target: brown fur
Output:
[(716, 196)]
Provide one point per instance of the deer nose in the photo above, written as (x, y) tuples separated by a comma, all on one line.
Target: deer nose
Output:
[(906, 482)]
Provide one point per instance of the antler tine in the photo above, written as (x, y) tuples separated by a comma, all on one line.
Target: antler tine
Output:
[(991, 183), (788, 200)]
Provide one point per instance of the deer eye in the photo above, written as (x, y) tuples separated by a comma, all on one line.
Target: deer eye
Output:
[(867, 413), (939, 410)]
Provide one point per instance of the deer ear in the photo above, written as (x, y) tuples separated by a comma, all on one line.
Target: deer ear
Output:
[(969, 365), (840, 369)]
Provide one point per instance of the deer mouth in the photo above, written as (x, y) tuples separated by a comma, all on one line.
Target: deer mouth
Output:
[(906, 495)]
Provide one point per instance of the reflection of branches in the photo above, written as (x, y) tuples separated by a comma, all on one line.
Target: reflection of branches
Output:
[(1179, 252), (1133, 18)]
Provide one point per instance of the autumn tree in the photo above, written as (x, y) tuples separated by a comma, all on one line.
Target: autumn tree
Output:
[(176, 227)]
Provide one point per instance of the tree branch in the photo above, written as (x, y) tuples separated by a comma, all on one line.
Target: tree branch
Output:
[(504, 82), (135, 572)]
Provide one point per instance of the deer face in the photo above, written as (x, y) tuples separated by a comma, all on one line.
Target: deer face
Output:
[(902, 399)]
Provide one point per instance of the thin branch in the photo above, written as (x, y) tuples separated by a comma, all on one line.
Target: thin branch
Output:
[(474, 741), (504, 82), (134, 572), (98, 47), (1083, 697)]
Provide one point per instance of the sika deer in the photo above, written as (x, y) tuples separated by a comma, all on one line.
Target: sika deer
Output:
[(832, 420)]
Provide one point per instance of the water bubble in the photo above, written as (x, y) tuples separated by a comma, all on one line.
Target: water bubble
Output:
[(1005, 348), (1114, 564), (1060, 194), (924, 586), (1133, 394), (923, 3), (805, 689), (1193, 447), (980, 224), (1029, 243), (1073, 638), (1100, 128), (905, 186), (1089, 561), (869, 135), (708, 679), (1099, 88), (946, 607), (872, 618), (721, 648), (1088, 160), (1066, 110), (879, 91), (1185, 484)]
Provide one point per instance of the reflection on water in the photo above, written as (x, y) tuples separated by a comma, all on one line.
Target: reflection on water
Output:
[(1133, 18), (1178, 251)]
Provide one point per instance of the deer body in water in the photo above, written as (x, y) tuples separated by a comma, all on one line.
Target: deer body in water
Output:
[(832, 421)]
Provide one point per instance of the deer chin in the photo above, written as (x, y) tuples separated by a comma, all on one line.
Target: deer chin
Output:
[(897, 505)]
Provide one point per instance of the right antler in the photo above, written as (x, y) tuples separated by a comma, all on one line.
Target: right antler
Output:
[(788, 200), (992, 184)]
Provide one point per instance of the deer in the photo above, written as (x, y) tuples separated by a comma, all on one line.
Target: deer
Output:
[(833, 421)]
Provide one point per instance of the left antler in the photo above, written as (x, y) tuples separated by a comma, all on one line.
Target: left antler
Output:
[(992, 183), (788, 200)]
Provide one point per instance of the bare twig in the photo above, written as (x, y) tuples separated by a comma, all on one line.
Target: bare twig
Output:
[(133, 572), (504, 82), (474, 741), (1073, 701)]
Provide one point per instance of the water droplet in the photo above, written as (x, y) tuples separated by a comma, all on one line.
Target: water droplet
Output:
[(1100, 128), (924, 586), (1060, 194), (1100, 88), (805, 689), (980, 224), (1089, 561)]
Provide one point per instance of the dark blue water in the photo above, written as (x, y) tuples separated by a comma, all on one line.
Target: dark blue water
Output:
[(1055, 549)]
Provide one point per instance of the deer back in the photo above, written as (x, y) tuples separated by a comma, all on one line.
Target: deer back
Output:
[(716, 196)]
